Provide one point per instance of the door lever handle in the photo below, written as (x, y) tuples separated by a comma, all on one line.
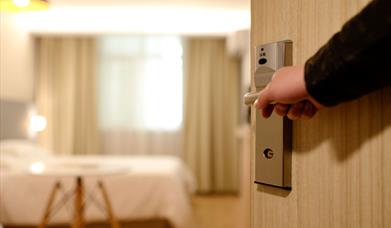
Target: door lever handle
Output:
[(250, 98)]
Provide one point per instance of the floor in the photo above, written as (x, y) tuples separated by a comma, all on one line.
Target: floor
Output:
[(217, 212), (209, 211)]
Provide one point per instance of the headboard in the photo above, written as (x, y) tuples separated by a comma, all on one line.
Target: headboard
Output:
[(14, 119)]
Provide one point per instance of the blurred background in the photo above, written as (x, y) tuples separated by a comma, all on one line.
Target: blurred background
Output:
[(125, 79)]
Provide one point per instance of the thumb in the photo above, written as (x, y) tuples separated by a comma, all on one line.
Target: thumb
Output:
[(264, 98)]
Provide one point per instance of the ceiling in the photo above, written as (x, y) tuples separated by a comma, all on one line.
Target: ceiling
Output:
[(185, 17), (222, 4)]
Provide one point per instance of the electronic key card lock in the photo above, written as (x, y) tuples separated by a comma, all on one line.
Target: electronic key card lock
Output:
[(273, 144)]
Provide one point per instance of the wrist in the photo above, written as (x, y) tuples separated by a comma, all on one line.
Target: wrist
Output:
[(316, 103)]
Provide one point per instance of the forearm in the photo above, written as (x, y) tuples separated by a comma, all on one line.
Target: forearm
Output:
[(356, 60)]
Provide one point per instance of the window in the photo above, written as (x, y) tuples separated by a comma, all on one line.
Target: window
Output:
[(140, 84)]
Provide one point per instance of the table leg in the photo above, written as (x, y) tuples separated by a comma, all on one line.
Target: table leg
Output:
[(79, 204), (48, 210), (113, 220)]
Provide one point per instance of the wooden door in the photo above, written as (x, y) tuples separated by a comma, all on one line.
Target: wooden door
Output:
[(341, 164)]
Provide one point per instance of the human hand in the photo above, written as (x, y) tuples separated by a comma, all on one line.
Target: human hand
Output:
[(287, 95)]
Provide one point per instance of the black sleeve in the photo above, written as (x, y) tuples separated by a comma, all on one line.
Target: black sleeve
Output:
[(356, 60)]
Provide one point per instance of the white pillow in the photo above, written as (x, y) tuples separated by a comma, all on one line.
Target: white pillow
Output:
[(23, 149)]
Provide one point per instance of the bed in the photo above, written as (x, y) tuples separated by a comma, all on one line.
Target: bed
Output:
[(148, 188)]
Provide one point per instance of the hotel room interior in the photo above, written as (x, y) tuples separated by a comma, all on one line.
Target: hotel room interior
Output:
[(124, 113), (129, 113)]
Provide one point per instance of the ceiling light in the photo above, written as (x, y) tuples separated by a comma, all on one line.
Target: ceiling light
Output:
[(23, 5)]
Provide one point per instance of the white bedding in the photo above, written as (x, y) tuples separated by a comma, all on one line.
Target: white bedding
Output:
[(152, 187)]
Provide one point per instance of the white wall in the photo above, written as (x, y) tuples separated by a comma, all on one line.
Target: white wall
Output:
[(16, 57), (238, 44)]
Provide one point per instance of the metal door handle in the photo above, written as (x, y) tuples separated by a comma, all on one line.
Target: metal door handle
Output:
[(250, 98), (273, 142)]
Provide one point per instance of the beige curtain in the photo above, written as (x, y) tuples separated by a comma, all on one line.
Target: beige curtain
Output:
[(211, 114), (66, 94), (141, 142)]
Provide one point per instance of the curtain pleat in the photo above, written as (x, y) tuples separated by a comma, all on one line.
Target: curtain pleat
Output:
[(66, 94), (211, 114)]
